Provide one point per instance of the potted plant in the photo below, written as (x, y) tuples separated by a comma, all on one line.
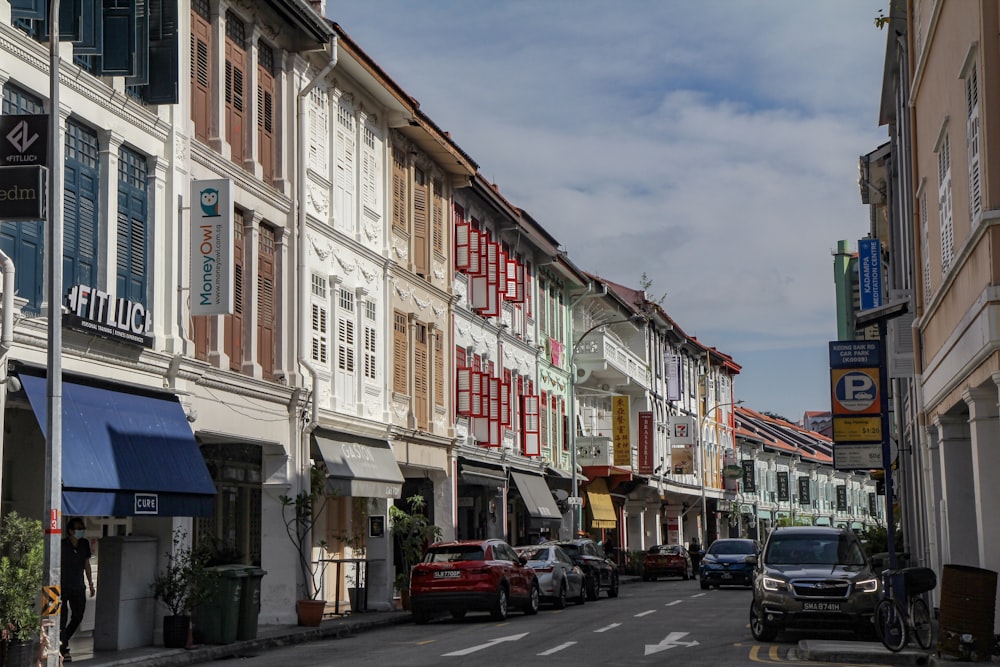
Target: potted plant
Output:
[(22, 546), (181, 586), (412, 531), (300, 513)]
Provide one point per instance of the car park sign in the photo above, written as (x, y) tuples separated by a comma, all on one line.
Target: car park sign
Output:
[(856, 401)]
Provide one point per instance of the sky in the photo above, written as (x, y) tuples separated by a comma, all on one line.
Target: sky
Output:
[(711, 145)]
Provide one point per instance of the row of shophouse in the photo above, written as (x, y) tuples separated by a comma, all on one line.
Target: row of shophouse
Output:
[(394, 319)]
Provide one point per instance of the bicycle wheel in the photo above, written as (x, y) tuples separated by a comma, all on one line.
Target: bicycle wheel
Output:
[(920, 617), (891, 623)]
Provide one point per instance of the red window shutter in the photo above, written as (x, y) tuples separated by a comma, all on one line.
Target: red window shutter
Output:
[(201, 75), (400, 354), (464, 386), (265, 301), (461, 246), (529, 426), (543, 421), (265, 112), (235, 95), (420, 223), (234, 323), (399, 191)]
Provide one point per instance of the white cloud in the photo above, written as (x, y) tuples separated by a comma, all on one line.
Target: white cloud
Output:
[(711, 145)]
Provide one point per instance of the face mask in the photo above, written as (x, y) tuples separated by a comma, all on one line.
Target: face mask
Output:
[(79, 534)]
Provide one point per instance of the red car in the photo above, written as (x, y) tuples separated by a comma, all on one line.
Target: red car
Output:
[(472, 575), (666, 560)]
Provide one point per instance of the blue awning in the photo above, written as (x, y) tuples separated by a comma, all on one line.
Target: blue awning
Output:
[(125, 454)]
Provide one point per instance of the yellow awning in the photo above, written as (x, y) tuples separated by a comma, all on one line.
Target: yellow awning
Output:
[(602, 510)]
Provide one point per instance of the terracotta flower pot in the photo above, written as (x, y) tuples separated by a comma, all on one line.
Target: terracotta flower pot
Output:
[(310, 612)]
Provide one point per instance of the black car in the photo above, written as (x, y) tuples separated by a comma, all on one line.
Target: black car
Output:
[(600, 572)]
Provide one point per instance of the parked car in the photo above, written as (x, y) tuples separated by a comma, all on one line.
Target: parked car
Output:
[(559, 578), (812, 576), (599, 571), (472, 575), (729, 562), (667, 560)]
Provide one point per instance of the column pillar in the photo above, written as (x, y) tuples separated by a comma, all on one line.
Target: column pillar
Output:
[(958, 505)]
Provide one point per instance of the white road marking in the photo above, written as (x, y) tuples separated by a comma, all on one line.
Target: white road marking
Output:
[(608, 627), (645, 613), (671, 604), (670, 641), (492, 642), (697, 595), (557, 648)]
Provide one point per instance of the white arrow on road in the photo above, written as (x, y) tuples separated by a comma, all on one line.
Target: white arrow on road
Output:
[(492, 642), (670, 641)]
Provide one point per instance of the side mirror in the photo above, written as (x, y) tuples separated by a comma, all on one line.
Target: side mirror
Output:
[(523, 560), (752, 560)]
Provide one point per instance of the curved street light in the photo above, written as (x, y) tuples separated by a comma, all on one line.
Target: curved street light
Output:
[(701, 469), (577, 507)]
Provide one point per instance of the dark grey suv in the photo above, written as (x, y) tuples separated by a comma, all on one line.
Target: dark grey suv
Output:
[(812, 577)]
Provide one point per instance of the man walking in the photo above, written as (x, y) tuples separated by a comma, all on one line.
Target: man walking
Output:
[(75, 564)]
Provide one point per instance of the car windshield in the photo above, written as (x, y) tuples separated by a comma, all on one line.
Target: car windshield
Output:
[(452, 554), (534, 553), (666, 549), (730, 547), (813, 550), (571, 549)]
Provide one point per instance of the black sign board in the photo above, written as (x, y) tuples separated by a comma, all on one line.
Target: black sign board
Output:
[(804, 498), (24, 140), (749, 478), (23, 193), (376, 526), (872, 504), (842, 498), (783, 486)]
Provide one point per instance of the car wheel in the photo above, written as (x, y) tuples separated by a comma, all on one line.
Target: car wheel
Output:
[(760, 631), (592, 587), (613, 591), (582, 599), (499, 611), (458, 613), (704, 585), (533, 598), (561, 596)]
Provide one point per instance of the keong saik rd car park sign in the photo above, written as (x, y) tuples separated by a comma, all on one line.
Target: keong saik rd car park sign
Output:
[(856, 398)]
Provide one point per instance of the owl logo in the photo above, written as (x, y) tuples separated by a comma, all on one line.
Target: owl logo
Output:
[(210, 203)]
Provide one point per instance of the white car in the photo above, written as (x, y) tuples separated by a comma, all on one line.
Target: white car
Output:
[(559, 578)]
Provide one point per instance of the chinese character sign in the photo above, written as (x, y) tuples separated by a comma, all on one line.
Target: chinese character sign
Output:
[(620, 431)]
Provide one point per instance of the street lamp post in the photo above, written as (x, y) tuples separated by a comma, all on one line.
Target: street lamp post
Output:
[(577, 508), (701, 468)]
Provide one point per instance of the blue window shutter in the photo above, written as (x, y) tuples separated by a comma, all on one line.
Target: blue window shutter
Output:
[(132, 241), (163, 53), (80, 206), (91, 29), (118, 52), (34, 10)]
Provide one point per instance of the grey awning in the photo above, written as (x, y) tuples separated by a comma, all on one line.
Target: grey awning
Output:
[(537, 497), (482, 476), (357, 466)]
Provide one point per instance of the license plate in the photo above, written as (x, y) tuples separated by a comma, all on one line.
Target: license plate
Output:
[(447, 574), (821, 606)]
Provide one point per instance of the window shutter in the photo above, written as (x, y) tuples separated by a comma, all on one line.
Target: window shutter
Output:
[(369, 172), (345, 171), (475, 253), (437, 218), (464, 385), (234, 323), (492, 308), (119, 50), (320, 334), (505, 398), (461, 246), (420, 237), (132, 221), (420, 375), (972, 134), (543, 420), (201, 73), (529, 426), (438, 370), (265, 300), (235, 88), (501, 276), (495, 439), (565, 425), (163, 53), (513, 280), (400, 374), (371, 350), (265, 110), (527, 288), (476, 394), (399, 191)]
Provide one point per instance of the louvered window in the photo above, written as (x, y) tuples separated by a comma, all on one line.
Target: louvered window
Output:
[(343, 196), (265, 110), (81, 205), (235, 87), (439, 370), (201, 70), (320, 321), (319, 131), (132, 226), (925, 238), (22, 241), (944, 202), (399, 194), (369, 172), (972, 137), (233, 325), (345, 332), (266, 279), (531, 445), (370, 341), (437, 217), (400, 354), (543, 421), (421, 373), (420, 222)]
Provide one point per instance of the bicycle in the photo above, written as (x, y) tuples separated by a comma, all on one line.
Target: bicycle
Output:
[(894, 623)]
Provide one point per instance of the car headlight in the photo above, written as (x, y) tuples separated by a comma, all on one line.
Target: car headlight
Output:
[(772, 584), (867, 585)]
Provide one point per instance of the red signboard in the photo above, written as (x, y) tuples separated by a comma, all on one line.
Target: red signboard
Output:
[(645, 443)]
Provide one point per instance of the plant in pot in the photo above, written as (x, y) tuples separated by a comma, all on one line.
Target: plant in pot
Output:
[(412, 531), (22, 546), (299, 513), (181, 586)]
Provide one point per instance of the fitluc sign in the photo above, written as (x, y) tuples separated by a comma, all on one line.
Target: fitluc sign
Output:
[(212, 247), (102, 314)]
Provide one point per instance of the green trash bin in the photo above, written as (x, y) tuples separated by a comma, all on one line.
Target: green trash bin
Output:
[(217, 620), (250, 603)]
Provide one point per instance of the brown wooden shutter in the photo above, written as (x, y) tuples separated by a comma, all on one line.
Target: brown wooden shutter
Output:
[(235, 90), (199, 336), (265, 301), (201, 74), (543, 417), (437, 218), (438, 370), (234, 323), (420, 376), (420, 236), (399, 190), (399, 354), (265, 110)]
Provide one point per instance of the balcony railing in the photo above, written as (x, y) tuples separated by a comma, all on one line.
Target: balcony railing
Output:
[(600, 345)]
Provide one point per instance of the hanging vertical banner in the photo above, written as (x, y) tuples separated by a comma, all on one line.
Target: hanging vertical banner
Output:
[(804, 498), (620, 432), (673, 366), (212, 247), (783, 486), (749, 476), (841, 498), (645, 443), (870, 273)]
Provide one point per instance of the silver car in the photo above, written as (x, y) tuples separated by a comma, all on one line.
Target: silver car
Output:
[(559, 578)]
